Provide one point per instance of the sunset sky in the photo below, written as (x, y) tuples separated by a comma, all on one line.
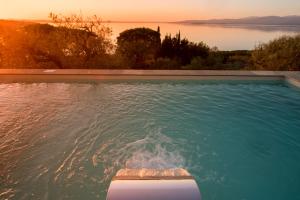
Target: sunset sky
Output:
[(149, 10)]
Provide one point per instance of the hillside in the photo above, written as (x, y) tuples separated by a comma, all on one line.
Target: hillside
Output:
[(267, 20)]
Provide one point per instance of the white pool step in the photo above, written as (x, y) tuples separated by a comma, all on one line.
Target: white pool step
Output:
[(153, 184)]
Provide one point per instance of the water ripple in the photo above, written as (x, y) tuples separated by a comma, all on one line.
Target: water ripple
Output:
[(66, 141)]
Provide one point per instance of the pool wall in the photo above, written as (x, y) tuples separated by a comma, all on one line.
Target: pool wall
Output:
[(62, 75)]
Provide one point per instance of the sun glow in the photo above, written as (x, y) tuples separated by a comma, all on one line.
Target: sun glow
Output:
[(145, 10)]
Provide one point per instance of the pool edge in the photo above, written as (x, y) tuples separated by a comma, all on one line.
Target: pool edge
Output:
[(58, 75)]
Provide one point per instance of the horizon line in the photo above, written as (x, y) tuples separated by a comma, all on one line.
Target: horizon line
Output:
[(148, 21)]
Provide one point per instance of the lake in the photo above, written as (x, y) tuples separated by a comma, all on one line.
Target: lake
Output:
[(225, 37)]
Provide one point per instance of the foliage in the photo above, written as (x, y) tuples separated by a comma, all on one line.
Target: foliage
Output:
[(182, 49), (91, 24), (45, 44), (84, 38), (280, 54), (138, 46), (1, 50), (73, 41), (78, 42), (166, 63), (218, 60), (12, 54)]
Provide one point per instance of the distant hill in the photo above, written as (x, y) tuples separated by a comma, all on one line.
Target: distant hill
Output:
[(267, 20)]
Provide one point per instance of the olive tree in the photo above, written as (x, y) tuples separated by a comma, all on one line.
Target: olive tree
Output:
[(70, 41)]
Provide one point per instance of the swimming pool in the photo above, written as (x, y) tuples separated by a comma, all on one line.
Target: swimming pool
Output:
[(240, 139)]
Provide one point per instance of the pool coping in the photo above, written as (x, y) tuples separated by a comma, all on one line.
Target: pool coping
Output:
[(14, 75)]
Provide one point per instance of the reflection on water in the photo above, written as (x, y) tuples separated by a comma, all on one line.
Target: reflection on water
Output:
[(229, 37), (266, 28)]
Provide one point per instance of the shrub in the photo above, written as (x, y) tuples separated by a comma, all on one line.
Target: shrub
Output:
[(218, 60), (166, 63), (280, 54)]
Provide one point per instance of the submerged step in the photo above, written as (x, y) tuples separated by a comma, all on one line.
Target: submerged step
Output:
[(153, 184)]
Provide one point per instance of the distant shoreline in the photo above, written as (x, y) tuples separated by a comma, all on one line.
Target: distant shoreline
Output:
[(289, 21), (236, 24), (292, 20), (179, 23)]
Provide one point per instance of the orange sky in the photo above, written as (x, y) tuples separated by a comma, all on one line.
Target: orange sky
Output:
[(149, 10)]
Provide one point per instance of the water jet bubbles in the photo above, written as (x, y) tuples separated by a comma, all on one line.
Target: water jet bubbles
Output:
[(156, 151)]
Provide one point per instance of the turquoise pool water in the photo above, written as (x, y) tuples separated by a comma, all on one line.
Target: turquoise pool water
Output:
[(241, 140)]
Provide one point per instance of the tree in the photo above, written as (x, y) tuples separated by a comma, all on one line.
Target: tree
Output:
[(182, 49), (280, 54), (90, 37), (13, 54), (139, 46), (45, 44), (1, 50), (73, 41)]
